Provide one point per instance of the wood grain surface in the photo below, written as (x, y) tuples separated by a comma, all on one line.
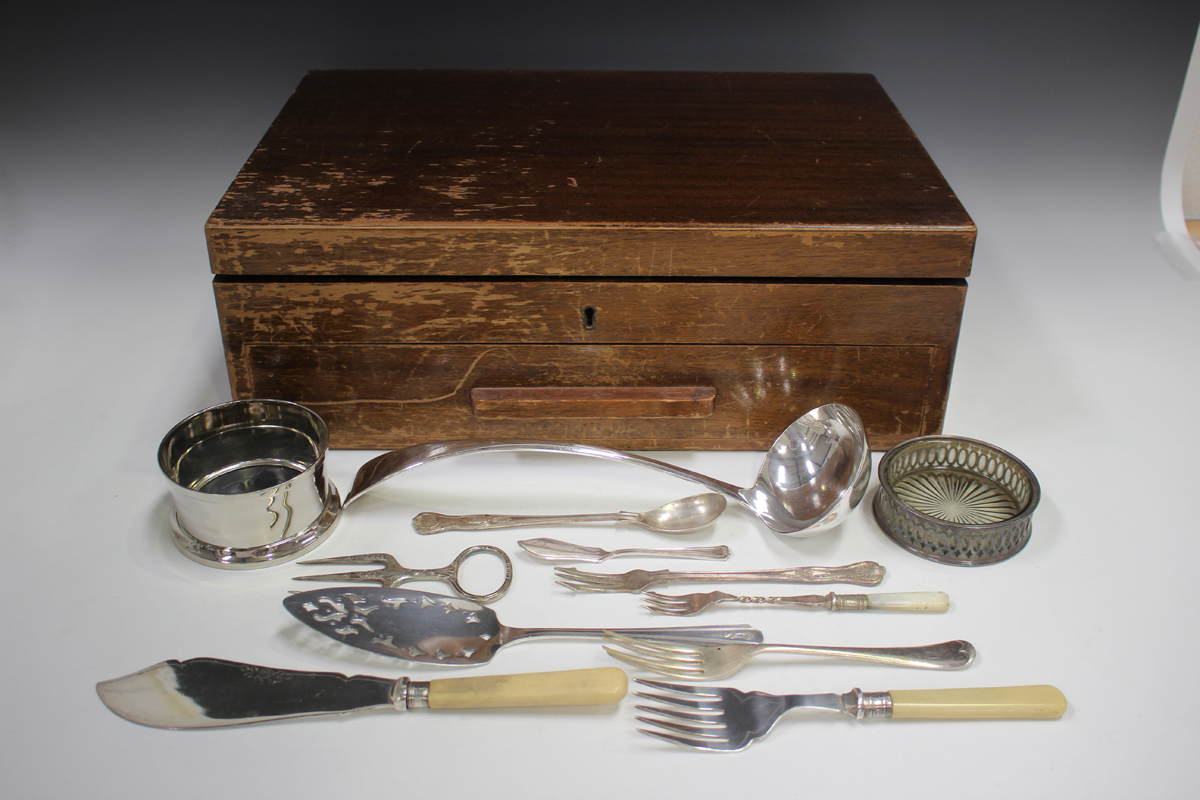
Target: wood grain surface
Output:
[(394, 363), (647, 260), (590, 173)]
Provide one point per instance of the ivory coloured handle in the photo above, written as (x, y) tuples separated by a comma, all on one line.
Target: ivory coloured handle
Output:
[(573, 687), (933, 602), (1002, 702)]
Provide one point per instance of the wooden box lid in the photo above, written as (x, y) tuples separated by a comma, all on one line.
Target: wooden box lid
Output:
[(612, 174)]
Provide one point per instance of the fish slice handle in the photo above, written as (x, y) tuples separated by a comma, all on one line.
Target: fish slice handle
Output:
[(1003, 702), (575, 687)]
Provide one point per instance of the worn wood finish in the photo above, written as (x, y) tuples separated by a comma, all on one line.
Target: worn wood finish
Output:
[(590, 173), (395, 363), (544, 250), (384, 396), (540, 402), (674, 312), (423, 255)]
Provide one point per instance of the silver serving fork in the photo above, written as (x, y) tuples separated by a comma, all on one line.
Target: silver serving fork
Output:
[(863, 573), (392, 574), (688, 604), (724, 719), (698, 661)]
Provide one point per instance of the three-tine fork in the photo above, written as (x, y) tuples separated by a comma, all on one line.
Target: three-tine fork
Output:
[(725, 719)]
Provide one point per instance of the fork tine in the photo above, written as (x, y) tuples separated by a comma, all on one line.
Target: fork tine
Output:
[(661, 649), (665, 658), (651, 645), (670, 612), (364, 558), (584, 587), (700, 731), (682, 688), (698, 701), (665, 604), (699, 745), (653, 666), (666, 599), (387, 563), (701, 710), (587, 577), (362, 576)]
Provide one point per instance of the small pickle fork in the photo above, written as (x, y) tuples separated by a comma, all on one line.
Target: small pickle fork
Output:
[(724, 719), (698, 661)]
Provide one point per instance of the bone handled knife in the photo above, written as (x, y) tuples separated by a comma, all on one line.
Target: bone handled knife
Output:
[(214, 693)]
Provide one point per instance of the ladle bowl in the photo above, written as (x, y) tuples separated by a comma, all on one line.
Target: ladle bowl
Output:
[(814, 474)]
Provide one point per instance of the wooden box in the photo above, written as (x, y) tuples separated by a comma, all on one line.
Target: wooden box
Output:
[(643, 260)]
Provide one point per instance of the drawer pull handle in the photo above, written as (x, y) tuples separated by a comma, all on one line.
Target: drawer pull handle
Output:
[(593, 401)]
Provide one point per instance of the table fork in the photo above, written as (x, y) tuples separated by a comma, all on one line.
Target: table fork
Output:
[(863, 573), (686, 605), (725, 719), (698, 661)]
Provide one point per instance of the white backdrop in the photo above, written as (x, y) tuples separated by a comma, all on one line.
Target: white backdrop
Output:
[(121, 128)]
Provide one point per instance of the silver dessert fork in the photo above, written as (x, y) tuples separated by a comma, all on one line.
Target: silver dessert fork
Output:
[(725, 719), (698, 661)]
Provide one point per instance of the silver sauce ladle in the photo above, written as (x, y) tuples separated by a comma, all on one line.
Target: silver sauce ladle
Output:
[(814, 474)]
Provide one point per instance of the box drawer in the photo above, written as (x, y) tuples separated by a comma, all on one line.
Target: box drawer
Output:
[(389, 363), (742, 397)]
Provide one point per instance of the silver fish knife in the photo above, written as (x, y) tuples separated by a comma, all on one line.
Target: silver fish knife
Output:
[(214, 693)]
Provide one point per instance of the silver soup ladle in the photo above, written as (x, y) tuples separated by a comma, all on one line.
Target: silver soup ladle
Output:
[(813, 475)]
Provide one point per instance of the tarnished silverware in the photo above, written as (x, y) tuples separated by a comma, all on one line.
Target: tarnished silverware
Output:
[(863, 573), (679, 516), (698, 661), (815, 473), (687, 604), (725, 719), (555, 550), (391, 574), (435, 629)]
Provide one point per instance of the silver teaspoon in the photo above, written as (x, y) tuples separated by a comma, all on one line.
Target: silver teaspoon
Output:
[(555, 550), (680, 516)]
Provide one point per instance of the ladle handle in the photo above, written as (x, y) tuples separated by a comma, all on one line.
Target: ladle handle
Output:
[(431, 522), (382, 467)]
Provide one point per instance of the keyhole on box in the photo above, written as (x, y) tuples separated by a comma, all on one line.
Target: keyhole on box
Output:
[(589, 318)]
